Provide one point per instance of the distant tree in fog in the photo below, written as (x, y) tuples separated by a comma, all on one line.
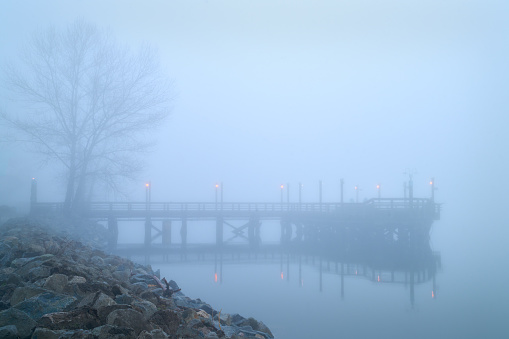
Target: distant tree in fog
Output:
[(87, 103)]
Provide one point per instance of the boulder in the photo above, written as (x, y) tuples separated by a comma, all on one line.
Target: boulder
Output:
[(154, 334), (22, 293), (96, 300), (129, 318), (47, 302), (9, 331), (56, 282), (113, 332), (145, 307), (24, 324), (44, 333), (104, 311), (168, 321), (81, 318), (76, 279)]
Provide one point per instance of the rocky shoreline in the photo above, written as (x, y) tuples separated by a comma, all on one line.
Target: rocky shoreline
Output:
[(56, 282)]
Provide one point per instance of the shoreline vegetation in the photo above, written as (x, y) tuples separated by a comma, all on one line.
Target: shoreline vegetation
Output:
[(56, 281)]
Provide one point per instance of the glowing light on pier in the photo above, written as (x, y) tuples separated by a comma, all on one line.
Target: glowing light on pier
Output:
[(215, 277), (282, 276), (379, 278), (433, 294)]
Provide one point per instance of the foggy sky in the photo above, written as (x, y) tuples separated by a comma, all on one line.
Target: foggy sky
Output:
[(276, 92)]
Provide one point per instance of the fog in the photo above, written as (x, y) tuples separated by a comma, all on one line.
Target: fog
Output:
[(287, 92)]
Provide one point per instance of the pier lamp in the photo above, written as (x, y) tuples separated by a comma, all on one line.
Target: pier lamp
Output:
[(378, 190), (147, 192), (432, 184), (282, 187)]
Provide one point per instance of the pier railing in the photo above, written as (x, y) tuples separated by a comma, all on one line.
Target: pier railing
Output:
[(376, 204)]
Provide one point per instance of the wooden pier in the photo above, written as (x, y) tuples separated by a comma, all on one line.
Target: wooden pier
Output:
[(395, 219)]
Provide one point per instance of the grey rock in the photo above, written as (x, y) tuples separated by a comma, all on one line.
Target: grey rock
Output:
[(11, 278), (39, 272), (139, 287), (44, 333), (77, 280), (56, 282), (173, 285), (121, 275), (81, 318), (113, 332), (154, 334), (20, 319), (256, 326), (22, 293), (9, 331), (124, 299), (96, 300), (167, 320), (129, 318), (145, 307), (104, 311), (97, 261), (47, 302)]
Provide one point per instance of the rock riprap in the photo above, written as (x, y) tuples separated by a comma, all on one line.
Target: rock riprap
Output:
[(54, 287)]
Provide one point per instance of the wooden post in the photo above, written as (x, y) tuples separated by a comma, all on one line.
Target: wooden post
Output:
[(221, 195), (166, 233), (288, 193)]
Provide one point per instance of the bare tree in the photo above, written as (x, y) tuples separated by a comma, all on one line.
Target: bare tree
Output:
[(87, 103)]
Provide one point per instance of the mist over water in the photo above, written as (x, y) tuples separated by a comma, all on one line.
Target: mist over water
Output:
[(270, 93)]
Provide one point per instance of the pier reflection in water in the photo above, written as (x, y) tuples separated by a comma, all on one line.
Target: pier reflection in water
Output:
[(305, 287), (407, 265)]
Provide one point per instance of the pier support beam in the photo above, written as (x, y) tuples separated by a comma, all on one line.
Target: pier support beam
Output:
[(166, 233), (254, 231), (148, 232), (286, 231), (219, 231), (183, 233)]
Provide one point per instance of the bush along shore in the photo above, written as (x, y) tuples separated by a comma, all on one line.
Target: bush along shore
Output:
[(54, 286)]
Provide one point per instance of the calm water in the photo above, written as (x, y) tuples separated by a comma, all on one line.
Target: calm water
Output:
[(467, 299)]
